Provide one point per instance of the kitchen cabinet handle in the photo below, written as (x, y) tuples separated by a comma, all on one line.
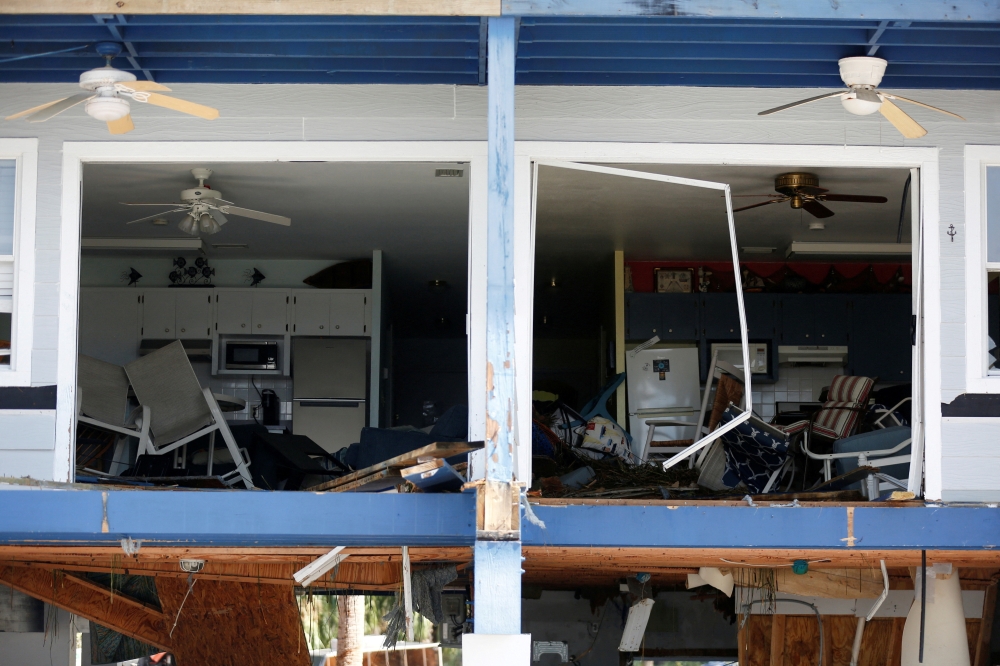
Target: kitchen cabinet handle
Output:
[(243, 325), (183, 330), (337, 326), (321, 327), (258, 325), (166, 330)]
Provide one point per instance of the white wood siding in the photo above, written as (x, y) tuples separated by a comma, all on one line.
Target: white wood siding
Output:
[(635, 114)]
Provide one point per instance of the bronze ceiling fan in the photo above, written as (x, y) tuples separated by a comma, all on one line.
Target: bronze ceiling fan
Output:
[(803, 191)]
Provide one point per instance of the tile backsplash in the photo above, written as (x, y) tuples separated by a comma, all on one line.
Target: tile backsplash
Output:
[(794, 383), (241, 387)]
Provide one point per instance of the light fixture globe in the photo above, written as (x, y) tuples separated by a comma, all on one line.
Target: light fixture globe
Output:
[(859, 107), (208, 225), (107, 108), (188, 225)]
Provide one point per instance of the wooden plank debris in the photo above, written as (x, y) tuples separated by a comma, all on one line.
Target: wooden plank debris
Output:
[(387, 473), (234, 623)]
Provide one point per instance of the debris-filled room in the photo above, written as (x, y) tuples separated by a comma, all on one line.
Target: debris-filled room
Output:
[(637, 335), (278, 326)]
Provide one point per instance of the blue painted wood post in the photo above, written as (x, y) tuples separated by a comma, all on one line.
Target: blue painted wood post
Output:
[(498, 562)]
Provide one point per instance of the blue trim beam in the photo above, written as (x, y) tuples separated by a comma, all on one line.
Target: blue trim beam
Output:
[(39, 516)]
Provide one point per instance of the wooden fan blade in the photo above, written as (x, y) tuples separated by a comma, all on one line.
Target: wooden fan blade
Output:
[(757, 205), (906, 125), (147, 86), (926, 106), (184, 106), (28, 112), (155, 215), (858, 198), (800, 103), (816, 209), (53, 110), (256, 215), (121, 126)]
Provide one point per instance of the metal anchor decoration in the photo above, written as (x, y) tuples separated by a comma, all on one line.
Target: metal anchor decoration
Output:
[(951, 232)]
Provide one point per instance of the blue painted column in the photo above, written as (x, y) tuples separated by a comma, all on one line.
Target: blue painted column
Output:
[(498, 562)]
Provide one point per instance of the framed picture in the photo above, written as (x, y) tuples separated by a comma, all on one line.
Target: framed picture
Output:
[(673, 281)]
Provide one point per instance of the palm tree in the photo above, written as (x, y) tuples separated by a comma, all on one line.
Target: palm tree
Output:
[(350, 629)]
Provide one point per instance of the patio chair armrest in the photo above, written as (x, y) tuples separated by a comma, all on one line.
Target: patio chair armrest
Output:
[(888, 412), (122, 430)]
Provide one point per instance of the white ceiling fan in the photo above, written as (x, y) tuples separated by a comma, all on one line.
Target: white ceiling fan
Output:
[(862, 75), (205, 210), (108, 93)]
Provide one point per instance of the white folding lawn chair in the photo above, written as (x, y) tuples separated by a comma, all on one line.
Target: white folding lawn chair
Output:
[(177, 410), (102, 402)]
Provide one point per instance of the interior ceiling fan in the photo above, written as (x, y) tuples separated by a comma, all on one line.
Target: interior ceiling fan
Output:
[(802, 190), (205, 210), (108, 93), (862, 75)]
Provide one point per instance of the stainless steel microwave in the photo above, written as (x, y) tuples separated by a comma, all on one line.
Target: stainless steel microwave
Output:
[(250, 356)]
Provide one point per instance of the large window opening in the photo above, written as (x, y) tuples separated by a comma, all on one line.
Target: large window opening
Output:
[(322, 305), (636, 277)]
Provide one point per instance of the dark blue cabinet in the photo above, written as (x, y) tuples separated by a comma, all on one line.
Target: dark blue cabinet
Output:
[(720, 316), (679, 317), (881, 343), (642, 316), (670, 316), (814, 319)]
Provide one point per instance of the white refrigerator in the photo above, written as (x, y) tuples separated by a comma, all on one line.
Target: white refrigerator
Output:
[(663, 383), (330, 389)]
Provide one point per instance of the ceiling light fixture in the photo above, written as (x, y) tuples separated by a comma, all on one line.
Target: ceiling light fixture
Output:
[(107, 107), (816, 226), (161, 221), (853, 249), (189, 224), (448, 173)]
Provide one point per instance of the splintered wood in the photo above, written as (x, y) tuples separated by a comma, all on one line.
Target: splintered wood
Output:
[(234, 623)]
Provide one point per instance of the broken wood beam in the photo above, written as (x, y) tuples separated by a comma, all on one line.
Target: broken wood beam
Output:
[(93, 602), (382, 473)]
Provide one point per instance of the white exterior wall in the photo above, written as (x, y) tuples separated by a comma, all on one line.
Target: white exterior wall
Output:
[(635, 114)]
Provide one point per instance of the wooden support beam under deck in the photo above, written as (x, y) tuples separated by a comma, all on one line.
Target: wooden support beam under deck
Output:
[(91, 601)]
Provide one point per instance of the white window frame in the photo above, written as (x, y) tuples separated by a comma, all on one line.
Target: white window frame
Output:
[(923, 158), (76, 154), (978, 378), (25, 154)]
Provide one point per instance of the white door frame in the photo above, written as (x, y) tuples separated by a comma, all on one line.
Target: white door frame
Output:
[(76, 154), (785, 156)]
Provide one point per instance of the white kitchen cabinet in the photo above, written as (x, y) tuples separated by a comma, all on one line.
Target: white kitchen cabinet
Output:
[(270, 312), (312, 313), (347, 313), (193, 313), (109, 324), (234, 310), (158, 314)]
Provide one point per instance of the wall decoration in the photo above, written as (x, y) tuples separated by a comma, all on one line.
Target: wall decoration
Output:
[(198, 274), (253, 276), (673, 281), (132, 276)]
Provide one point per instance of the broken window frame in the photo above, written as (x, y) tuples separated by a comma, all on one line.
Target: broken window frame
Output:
[(705, 441)]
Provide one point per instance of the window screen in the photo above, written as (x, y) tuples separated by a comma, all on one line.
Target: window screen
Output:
[(993, 214), (7, 173)]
